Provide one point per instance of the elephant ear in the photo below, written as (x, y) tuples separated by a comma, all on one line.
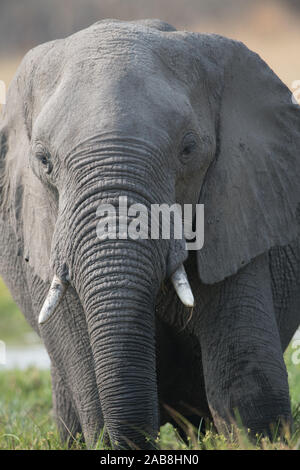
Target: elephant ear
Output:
[(24, 201), (251, 191)]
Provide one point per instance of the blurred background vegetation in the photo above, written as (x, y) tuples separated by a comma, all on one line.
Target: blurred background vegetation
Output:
[(271, 28)]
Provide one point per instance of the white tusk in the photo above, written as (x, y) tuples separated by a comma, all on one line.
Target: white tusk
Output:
[(182, 286), (55, 295)]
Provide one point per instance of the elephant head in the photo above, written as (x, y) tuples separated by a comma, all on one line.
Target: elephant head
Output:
[(159, 116)]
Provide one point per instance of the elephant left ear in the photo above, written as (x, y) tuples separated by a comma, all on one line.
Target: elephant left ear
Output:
[(251, 192), (25, 203), (38, 215)]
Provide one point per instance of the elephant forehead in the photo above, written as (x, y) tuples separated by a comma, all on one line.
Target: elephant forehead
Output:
[(115, 76), (113, 44), (127, 100)]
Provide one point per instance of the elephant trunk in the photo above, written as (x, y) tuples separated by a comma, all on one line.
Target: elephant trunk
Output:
[(117, 281), (122, 337), (117, 290)]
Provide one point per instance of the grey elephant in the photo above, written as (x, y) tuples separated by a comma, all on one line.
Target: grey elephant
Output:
[(141, 110)]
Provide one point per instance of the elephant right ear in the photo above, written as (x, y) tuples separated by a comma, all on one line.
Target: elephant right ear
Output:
[(24, 201), (251, 192)]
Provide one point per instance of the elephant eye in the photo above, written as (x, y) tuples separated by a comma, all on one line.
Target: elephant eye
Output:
[(45, 161), (189, 145), (187, 150)]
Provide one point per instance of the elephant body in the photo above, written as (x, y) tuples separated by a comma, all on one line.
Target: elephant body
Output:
[(160, 116)]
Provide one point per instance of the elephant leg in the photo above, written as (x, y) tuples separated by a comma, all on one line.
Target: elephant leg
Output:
[(181, 387), (66, 417), (285, 277), (244, 370)]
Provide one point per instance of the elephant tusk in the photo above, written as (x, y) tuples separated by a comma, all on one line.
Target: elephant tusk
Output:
[(182, 286), (55, 295)]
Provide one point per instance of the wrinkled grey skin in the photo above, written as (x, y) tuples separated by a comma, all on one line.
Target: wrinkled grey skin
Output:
[(160, 116)]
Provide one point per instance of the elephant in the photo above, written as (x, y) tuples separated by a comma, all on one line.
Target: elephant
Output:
[(140, 329)]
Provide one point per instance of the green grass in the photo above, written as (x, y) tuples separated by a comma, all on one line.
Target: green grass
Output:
[(293, 376), (26, 420), (25, 410), (14, 329)]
